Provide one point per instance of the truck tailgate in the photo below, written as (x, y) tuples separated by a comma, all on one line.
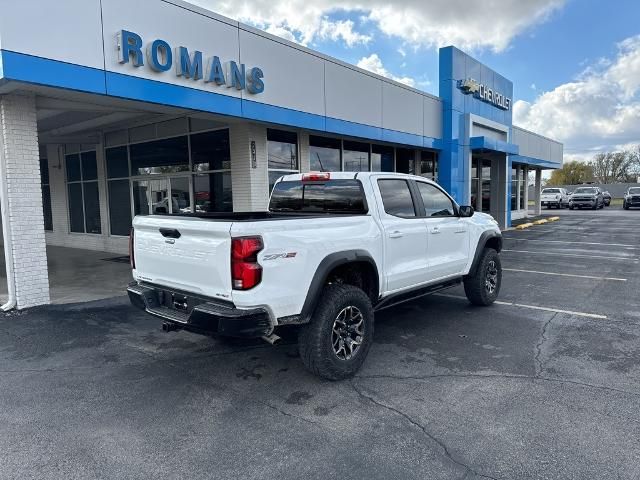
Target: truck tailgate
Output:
[(184, 253)]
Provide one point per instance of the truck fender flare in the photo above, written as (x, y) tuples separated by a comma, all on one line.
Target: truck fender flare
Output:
[(329, 263), (482, 243)]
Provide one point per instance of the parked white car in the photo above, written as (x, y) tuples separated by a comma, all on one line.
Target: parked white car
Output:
[(332, 249), (554, 197)]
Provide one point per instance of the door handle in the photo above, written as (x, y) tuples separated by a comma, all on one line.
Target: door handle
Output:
[(396, 234), (435, 230)]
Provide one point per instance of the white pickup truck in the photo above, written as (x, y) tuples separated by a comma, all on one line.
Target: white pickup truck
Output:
[(332, 249), (554, 197)]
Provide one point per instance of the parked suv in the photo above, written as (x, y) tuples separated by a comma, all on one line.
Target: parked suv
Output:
[(586, 197), (554, 197), (631, 198), (333, 249)]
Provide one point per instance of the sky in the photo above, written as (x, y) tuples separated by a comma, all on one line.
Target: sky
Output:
[(575, 64)]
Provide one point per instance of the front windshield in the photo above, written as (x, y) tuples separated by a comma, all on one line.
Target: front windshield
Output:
[(551, 190), (634, 191), (589, 191)]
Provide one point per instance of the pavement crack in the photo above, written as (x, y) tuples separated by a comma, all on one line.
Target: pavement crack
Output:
[(543, 338), (433, 438)]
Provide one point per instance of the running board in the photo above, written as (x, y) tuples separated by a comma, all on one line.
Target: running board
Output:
[(403, 297)]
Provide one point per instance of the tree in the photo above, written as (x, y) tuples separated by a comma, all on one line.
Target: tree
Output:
[(613, 167), (571, 173)]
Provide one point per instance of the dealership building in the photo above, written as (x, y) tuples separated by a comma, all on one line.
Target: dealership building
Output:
[(112, 108)]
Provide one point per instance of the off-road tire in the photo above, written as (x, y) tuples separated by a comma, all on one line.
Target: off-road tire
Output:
[(315, 338), (475, 286)]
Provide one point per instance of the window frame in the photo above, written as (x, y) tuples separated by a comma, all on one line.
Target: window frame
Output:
[(82, 183), (423, 209), (190, 173), (282, 171)]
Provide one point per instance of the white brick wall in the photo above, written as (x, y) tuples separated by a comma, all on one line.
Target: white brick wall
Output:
[(21, 159), (305, 162), (250, 186)]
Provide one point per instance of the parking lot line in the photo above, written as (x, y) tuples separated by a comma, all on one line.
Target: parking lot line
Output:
[(634, 247), (569, 254), (533, 307), (613, 279)]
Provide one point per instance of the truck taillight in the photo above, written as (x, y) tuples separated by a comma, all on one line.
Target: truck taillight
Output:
[(316, 177), (246, 272), (132, 259)]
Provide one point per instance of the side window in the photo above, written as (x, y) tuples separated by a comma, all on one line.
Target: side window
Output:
[(396, 198), (436, 203)]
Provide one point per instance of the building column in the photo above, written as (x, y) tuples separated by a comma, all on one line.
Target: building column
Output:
[(249, 168), (500, 190), (525, 177), (22, 208), (303, 154), (537, 193)]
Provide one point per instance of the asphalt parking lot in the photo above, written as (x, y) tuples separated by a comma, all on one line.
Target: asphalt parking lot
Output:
[(545, 384)]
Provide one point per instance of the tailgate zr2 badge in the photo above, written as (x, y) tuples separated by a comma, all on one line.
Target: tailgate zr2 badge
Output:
[(279, 255)]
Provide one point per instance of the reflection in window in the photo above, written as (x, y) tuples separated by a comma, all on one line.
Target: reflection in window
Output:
[(82, 189), (355, 157), (429, 165), (396, 198), (212, 192), (282, 154), (436, 203), (514, 188), (160, 156), (211, 151), (119, 207), (382, 158), (324, 154), (341, 196)]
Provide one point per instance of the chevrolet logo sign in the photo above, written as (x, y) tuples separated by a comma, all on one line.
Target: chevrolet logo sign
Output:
[(469, 85)]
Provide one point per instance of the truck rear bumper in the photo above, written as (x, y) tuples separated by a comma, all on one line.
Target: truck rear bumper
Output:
[(199, 315)]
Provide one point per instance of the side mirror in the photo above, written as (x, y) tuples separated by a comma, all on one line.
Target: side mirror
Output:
[(466, 212)]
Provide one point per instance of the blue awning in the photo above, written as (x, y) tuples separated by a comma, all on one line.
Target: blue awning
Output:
[(489, 144)]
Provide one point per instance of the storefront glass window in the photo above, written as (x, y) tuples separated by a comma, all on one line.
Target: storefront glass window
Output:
[(282, 153), (46, 194), (212, 192), (429, 165), (160, 156), (210, 151), (522, 185), (405, 161), (82, 189), (355, 157), (324, 154), (486, 186), (381, 158), (514, 188)]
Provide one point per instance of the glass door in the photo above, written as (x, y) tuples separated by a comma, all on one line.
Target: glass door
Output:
[(162, 196)]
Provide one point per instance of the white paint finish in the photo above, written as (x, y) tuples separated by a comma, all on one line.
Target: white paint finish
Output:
[(353, 96), (572, 275), (68, 31), (285, 281), (432, 115), (293, 79), (402, 109), (152, 19)]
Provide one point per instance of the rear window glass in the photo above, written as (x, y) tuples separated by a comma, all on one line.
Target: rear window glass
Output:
[(551, 190), (334, 196), (588, 191)]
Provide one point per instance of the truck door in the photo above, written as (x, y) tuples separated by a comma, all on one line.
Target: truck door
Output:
[(448, 247), (405, 235)]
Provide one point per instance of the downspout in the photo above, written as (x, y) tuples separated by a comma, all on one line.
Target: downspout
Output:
[(6, 231)]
